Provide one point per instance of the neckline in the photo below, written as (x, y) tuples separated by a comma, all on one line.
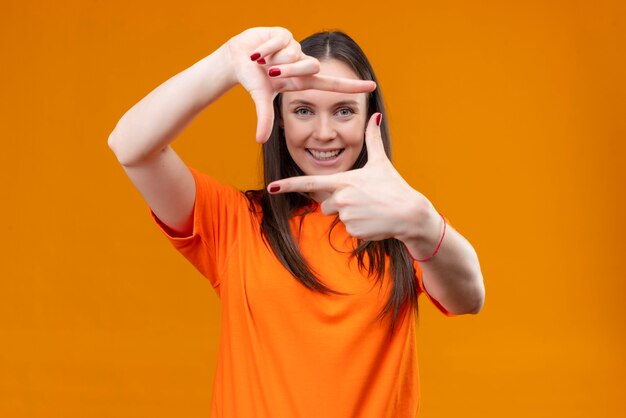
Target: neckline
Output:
[(313, 207)]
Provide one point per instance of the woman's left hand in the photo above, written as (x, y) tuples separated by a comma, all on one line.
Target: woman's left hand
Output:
[(374, 202)]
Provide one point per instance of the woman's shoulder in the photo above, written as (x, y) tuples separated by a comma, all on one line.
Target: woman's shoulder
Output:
[(216, 195)]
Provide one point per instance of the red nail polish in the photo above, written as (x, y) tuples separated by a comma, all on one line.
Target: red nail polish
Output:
[(255, 56), (274, 72), (274, 189), (261, 60), (378, 118)]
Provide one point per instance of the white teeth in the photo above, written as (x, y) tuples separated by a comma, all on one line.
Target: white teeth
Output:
[(324, 155)]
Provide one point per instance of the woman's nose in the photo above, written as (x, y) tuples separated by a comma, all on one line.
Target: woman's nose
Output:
[(325, 128)]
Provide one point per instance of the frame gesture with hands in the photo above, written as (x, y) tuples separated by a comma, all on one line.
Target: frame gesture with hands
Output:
[(374, 202), (268, 61)]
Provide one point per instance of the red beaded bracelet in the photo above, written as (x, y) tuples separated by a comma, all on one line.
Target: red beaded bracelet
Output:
[(438, 245)]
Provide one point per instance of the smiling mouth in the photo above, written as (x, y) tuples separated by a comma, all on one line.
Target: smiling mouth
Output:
[(325, 155)]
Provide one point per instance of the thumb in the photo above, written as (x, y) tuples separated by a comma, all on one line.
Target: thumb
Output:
[(263, 102), (373, 140)]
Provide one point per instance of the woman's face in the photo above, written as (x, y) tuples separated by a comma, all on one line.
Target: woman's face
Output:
[(325, 130)]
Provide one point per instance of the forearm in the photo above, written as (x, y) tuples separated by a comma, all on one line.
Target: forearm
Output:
[(151, 124), (453, 275)]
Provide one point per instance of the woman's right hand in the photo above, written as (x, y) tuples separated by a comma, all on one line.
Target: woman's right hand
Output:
[(256, 51)]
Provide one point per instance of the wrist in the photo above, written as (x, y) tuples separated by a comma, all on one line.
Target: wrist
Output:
[(226, 63), (423, 231), (417, 216), (213, 77)]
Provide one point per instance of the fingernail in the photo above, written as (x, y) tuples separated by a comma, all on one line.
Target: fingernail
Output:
[(274, 189), (378, 118), (261, 60), (255, 56), (274, 72)]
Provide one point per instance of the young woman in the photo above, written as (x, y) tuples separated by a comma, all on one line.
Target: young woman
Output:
[(319, 273)]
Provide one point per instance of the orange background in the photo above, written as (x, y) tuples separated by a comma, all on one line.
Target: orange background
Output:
[(508, 116)]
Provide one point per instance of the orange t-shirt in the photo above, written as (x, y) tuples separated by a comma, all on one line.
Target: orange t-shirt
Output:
[(286, 351)]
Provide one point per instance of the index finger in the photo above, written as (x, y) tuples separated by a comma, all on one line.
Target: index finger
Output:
[(307, 184), (327, 83)]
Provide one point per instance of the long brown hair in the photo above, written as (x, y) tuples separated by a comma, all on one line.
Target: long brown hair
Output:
[(278, 209)]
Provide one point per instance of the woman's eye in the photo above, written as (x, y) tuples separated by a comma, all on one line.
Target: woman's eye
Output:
[(302, 111), (346, 111)]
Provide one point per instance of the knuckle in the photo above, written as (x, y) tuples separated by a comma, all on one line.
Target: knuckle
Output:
[(324, 207), (345, 216), (352, 231), (314, 64), (284, 33), (291, 55), (341, 200), (329, 209)]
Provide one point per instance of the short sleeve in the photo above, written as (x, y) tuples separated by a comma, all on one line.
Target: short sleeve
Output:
[(215, 217)]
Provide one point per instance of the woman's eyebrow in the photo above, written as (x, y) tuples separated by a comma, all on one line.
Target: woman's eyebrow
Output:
[(340, 103)]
